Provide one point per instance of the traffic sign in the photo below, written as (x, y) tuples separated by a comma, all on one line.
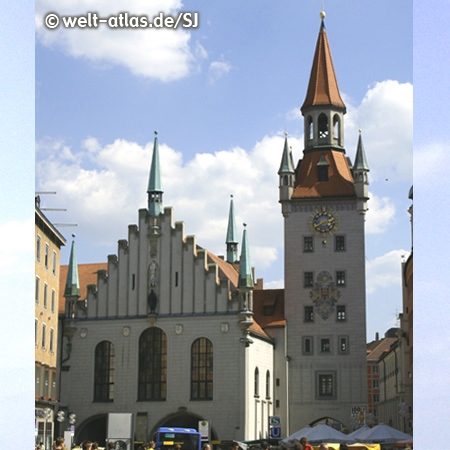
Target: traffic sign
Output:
[(275, 432), (274, 421), (72, 430)]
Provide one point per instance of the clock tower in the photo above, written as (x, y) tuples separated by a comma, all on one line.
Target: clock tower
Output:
[(323, 203)]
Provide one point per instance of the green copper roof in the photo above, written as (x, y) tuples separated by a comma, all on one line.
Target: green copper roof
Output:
[(245, 268), (360, 159), (154, 182), (286, 160), (323, 161), (231, 232), (73, 282), (410, 194)]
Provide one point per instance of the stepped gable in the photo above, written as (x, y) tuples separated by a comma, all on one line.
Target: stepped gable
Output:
[(268, 307), (226, 270), (87, 274), (340, 179)]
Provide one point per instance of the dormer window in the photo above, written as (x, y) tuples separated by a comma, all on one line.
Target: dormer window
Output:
[(323, 126), (322, 169)]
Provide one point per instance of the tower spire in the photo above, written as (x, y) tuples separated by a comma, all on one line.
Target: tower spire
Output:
[(361, 181), (231, 241), (72, 289), (154, 190), (245, 267)]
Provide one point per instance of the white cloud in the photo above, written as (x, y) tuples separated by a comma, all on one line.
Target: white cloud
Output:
[(380, 215), (163, 54), (217, 69), (385, 270), (385, 116)]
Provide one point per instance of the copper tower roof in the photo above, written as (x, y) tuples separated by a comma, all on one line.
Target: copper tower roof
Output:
[(323, 88)]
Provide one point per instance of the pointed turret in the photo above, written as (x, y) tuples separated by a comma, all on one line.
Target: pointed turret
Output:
[(323, 107), (245, 267), (231, 241), (72, 289), (286, 174), (154, 190), (361, 181)]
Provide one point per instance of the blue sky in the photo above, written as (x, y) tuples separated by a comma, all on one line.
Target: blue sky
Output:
[(221, 97)]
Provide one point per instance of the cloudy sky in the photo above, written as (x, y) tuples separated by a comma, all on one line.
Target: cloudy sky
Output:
[(222, 96)]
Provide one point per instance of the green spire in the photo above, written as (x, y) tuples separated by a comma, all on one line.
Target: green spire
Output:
[(231, 241), (73, 282), (360, 160), (287, 165), (245, 268), (154, 190)]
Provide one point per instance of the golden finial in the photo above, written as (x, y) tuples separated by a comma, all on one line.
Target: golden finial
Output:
[(285, 133), (322, 13), (360, 130)]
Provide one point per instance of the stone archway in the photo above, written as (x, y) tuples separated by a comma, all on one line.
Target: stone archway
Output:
[(331, 422), (92, 429)]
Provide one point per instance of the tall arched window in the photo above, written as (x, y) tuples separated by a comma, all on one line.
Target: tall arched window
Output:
[(202, 370), (267, 384), (323, 126), (152, 365), (104, 372), (337, 128), (310, 127), (256, 382)]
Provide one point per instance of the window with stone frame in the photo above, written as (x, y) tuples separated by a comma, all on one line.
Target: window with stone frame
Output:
[(308, 280), (267, 384), (202, 370), (152, 382), (339, 243), (307, 345), (325, 345), (309, 314), (326, 385), (308, 244), (341, 313), (256, 382), (104, 372), (343, 345), (340, 278)]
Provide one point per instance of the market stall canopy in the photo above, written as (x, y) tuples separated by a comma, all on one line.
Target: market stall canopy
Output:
[(316, 435), (360, 432), (357, 446), (383, 434)]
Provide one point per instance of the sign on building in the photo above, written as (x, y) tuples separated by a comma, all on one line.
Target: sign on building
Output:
[(275, 432), (274, 421), (204, 430)]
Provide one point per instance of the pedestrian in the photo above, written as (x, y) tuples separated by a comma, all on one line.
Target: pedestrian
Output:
[(305, 445), (234, 446), (323, 447), (206, 446), (94, 446), (86, 445), (265, 445), (151, 445), (110, 446), (343, 447), (59, 444)]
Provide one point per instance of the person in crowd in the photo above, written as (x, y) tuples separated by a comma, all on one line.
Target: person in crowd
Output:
[(59, 444), (234, 446), (86, 445), (206, 446), (110, 446), (323, 447), (343, 447), (94, 446), (305, 445)]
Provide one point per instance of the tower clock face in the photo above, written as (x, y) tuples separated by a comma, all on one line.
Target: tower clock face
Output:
[(324, 221)]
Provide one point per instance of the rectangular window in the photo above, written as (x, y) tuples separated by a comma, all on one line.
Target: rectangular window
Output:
[(46, 256), (53, 385), (308, 279), (37, 379), (46, 383), (36, 326), (307, 346), (44, 327), (339, 243), (37, 290), (325, 345), (53, 301), (51, 339), (340, 278), (326, 386), (309, 314), (376, 398), (176, 279), (38, 248), (133, 282), (308, 244), (375, 369), (54, 263), (45, 295), (375, 384), (341, 315), (375, 412), (343, 345)]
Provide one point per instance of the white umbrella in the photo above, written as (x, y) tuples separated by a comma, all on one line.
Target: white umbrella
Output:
[(383, 434), (360, 432), (317, 434)]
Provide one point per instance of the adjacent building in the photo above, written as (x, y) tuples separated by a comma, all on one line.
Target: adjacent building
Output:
[(48, 245)]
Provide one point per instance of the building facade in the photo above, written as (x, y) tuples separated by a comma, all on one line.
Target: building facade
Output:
[(47, 263), (174, 334)]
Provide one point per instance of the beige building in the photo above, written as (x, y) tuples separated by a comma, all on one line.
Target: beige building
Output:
[(48, 243)]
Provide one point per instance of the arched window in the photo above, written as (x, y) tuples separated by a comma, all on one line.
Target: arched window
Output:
[(104, 372), (256, 382), (310, 127), (202, 370), (267, 384), (152, 365), (323, 126), (336, 127)]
